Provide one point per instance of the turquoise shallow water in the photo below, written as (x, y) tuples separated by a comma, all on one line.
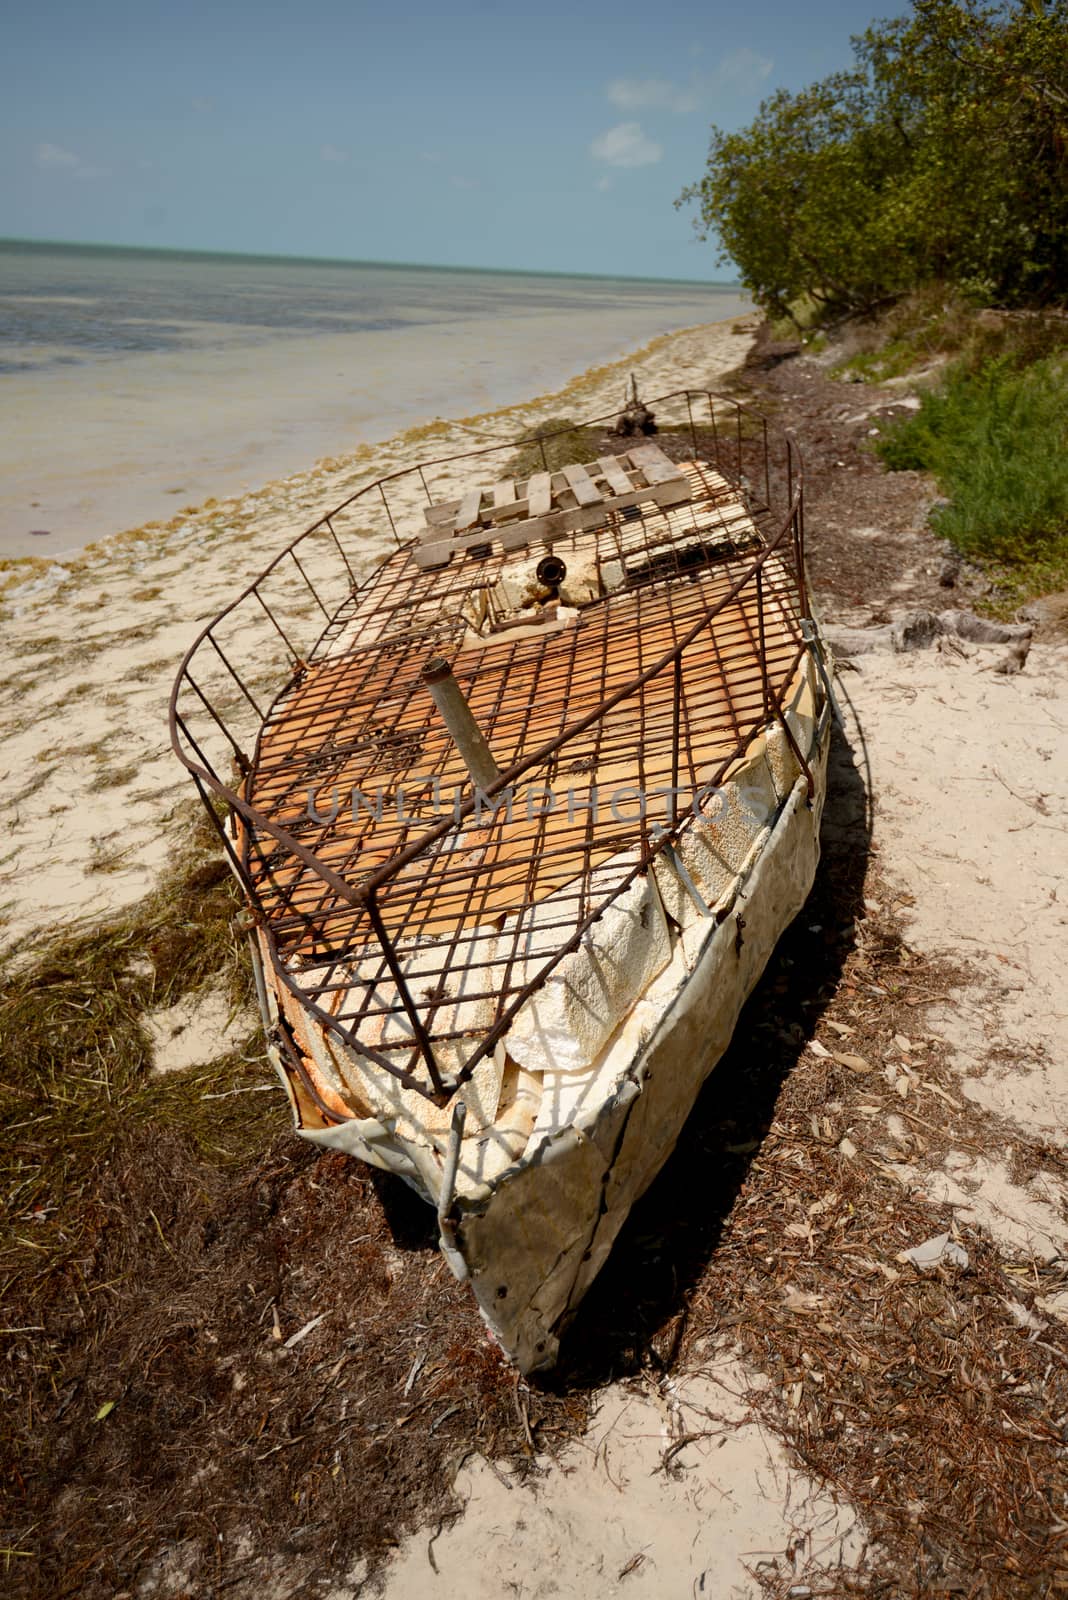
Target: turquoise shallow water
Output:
[(128, 377)]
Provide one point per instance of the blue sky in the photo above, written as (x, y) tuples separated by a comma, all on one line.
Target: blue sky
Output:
[(542, 136)]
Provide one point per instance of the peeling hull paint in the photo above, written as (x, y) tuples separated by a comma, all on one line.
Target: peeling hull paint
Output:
[(571, 1175), (534, 1244)]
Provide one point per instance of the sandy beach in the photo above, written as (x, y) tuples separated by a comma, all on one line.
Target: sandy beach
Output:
[(681, 1485), (138, 385)]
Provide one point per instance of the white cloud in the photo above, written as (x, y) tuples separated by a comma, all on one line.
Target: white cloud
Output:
[(626, 145), (53, 158), (604, 183), (743, 69), (330, 152), (741, 72), (659, 94), (53, 155), (458, 181)]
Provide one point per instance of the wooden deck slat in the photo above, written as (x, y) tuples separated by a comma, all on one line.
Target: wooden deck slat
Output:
[(585, 491), (616, 474), (540, 494), (556, 524), (468, 514), (654, 463), (550, 504)]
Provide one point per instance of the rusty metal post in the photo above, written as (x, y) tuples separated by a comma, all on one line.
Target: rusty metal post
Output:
[(464, 731), (761, 629)]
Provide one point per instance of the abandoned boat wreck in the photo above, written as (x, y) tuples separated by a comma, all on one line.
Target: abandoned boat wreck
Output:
[(519, 819)]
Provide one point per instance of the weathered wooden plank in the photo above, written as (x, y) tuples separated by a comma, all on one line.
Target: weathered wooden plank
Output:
[(616, 475), (585, 491), (470, 506), (554, 524), (507, 502), (441, 519), (654, 463), (549, 506), (540, 494), (442, 513), (433, 552)]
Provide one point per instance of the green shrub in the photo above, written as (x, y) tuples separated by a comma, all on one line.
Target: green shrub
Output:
[(939, 155), (938, 322), (996, 440)]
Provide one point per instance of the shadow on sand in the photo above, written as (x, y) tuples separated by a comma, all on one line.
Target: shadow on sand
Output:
[(637, 1307), (636, 1310)]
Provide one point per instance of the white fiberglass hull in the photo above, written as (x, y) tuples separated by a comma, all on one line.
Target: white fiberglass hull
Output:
[(532, 1235)]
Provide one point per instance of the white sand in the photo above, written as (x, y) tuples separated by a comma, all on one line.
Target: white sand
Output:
[(631, 1510), (969, 772)]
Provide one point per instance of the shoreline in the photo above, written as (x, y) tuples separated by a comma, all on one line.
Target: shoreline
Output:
[(402, 447), (92, 784), (127, 431)]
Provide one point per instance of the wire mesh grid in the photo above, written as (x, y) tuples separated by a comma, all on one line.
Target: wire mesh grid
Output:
[(409, 915)]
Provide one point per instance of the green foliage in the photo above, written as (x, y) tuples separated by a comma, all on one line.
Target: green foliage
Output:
[(996, 440), (943, 155), (930, 324)]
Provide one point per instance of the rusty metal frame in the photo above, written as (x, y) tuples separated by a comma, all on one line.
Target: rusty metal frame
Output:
[(778, 469)]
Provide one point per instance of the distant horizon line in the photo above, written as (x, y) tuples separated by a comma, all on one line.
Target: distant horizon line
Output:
[(350, 261)]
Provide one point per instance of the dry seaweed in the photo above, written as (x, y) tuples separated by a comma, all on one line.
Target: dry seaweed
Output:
[(213, 1341)]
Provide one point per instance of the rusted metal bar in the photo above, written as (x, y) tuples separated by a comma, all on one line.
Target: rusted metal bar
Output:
[(676, 715), (239, 755), (382, 491), (411, 1010), (287, 1047), (763, 644), (277, 627), (767, 463), (314, 591), (801, 759), (331, 1024), (236, 865), (235, 675), (464, 731), (811, 638), (340, 548)]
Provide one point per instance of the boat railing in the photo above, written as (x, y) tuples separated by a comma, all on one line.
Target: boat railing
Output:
[(300, 610)]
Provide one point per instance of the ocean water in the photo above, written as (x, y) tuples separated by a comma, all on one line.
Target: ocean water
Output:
[(133, 382)]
